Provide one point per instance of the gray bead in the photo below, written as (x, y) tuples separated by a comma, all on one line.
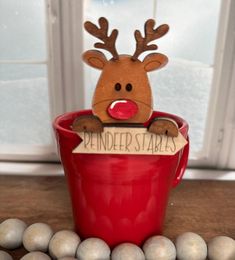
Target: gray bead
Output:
[(191, 246), (64, 243), (67, 258), (93, 249), (221, 247), (127, 251), (37, 237), (159, 247), (5, 256), (11, 233), (35, 256)]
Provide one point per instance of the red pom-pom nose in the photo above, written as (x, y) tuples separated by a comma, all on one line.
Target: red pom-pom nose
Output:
[(122, 109)]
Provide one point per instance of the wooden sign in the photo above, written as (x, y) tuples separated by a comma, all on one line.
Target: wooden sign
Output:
[(129, 140)]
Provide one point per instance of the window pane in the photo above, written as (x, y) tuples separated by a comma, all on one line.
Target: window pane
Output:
[(183, 86), (22, 71), (22, 29), (24, 106)]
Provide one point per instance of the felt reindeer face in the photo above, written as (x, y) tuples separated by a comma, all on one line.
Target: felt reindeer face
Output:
[(123, 93)]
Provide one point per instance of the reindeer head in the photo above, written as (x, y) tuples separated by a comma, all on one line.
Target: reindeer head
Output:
[(123, 93)]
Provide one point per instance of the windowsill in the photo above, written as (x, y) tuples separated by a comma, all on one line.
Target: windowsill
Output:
[(55, 169), (29, 169), (204, 207)]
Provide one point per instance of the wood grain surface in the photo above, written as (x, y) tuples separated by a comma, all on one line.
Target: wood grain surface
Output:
[(204, 207)]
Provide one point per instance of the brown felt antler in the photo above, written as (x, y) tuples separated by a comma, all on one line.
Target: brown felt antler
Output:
[(150, 35), (102, 34)]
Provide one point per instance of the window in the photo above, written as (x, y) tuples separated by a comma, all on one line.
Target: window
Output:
[(24, 108), (196, 84)]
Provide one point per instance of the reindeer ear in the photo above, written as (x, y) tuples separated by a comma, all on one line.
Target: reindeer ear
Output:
[(95, 59), (154, 61)]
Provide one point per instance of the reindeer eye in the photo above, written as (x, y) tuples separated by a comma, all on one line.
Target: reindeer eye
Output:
[(118, 87), (128, 87)]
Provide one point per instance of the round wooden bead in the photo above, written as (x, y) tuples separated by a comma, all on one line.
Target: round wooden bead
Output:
[(67, 258), (5, 256), (37, 237), (93, 249), (64, 243), (159, 247), (35, 256), (127, 251), (191, 246), (11, 233), (221, 247)]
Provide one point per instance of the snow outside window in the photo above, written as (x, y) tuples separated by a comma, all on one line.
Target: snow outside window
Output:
[(24, 108)]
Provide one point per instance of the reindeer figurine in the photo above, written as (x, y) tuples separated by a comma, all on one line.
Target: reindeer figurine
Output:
[(123, 94)]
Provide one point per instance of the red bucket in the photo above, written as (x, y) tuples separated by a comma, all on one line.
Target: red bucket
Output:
[(118, 198)]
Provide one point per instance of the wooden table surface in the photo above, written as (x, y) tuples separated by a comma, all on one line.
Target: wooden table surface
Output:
[(204, 207)]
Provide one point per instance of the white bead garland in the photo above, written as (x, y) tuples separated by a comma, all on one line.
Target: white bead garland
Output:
[(5, 256), (159, 247), (11, 233), (93, 249), (65, 244), (191, 246), (67, 258), (37, 236), (35, 256), (127, 251), (221, 247)]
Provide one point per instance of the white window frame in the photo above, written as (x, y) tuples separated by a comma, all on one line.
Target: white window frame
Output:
[(218, 149), (65, 44), (67, 90)]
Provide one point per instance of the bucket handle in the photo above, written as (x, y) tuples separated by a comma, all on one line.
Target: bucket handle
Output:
[(182, 165)]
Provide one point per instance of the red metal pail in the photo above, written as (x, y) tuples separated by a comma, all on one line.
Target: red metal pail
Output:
[(118, 198)]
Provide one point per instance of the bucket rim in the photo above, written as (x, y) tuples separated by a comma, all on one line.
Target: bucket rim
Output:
[(182, 123)]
